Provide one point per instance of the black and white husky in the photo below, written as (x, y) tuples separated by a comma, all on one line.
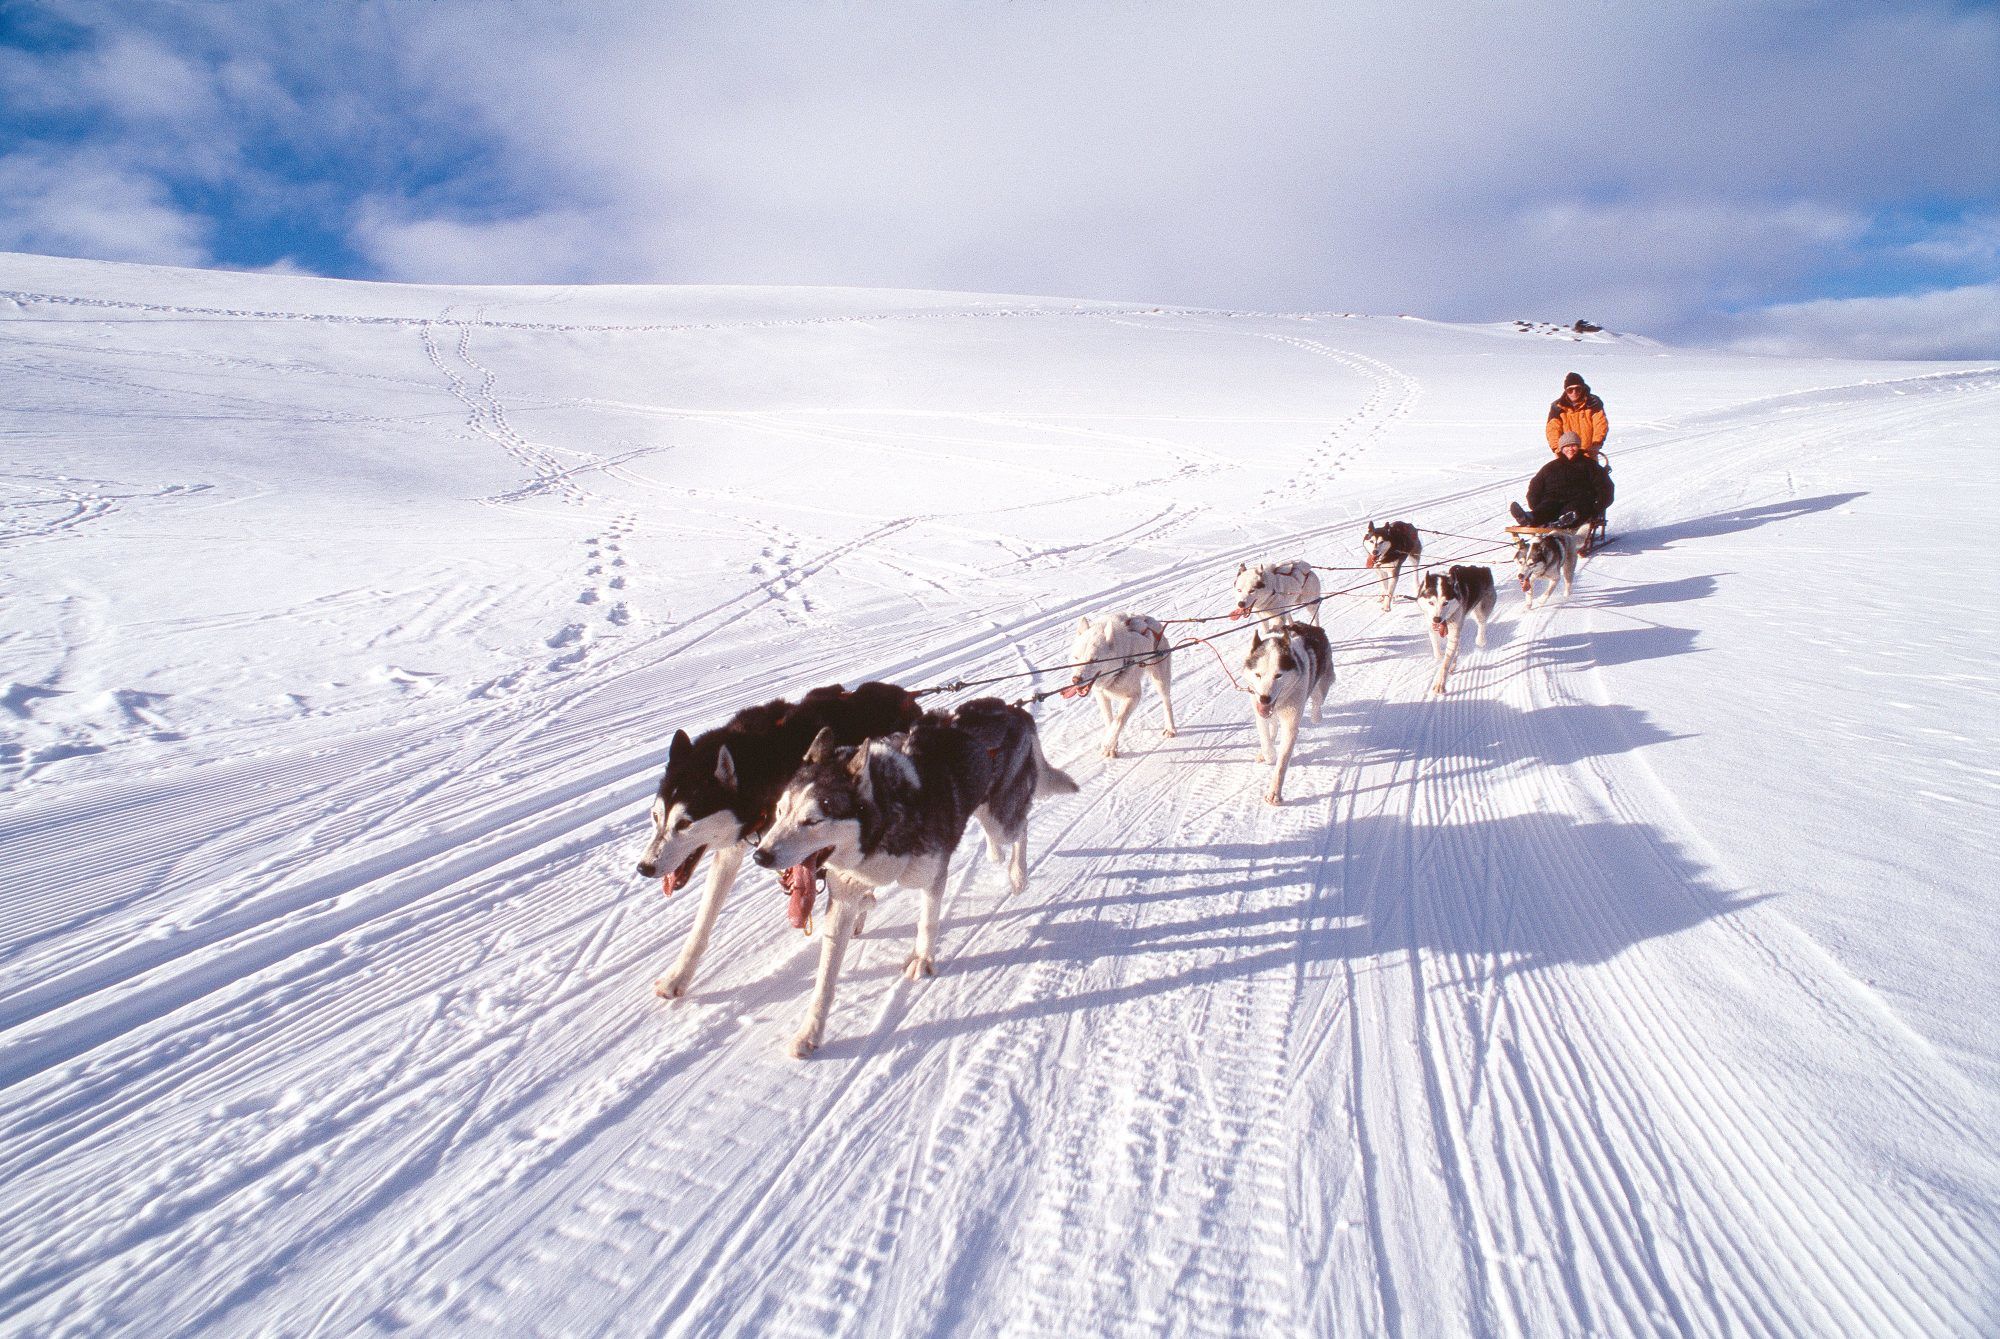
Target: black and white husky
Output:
[(1113, 657), (1452, 596), (721, 787), (1388, 547), (1277, 591), (892, 811), (1546, 558), (1285, 671)]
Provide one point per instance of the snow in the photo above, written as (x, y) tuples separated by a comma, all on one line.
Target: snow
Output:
[(1641, 984)]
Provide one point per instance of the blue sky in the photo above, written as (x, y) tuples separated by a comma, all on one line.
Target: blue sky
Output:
[(1766, 174)]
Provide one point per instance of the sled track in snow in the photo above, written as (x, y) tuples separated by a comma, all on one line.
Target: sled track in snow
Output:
[(1148, 1089)]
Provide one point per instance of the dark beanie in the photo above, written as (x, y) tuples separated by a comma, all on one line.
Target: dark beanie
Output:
[(1575, 379)]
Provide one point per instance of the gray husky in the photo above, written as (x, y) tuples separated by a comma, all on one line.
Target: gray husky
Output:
[(1546, 557), (1387, 548), (1285, 672), (1452, 596), (892, 810)]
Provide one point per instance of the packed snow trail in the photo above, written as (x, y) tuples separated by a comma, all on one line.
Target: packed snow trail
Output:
[(337, 1019)]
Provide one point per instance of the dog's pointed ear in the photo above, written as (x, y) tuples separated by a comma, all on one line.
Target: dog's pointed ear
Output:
[(822, 746), (1241, 568), (864, 772), (725, 767), (678, 749), (1083, 624)]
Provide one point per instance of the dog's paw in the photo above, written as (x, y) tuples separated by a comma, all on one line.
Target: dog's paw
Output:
[(805, 1043), (1109, 750), (918, 966), (1167, 733), (673, 985), (1273, 797)]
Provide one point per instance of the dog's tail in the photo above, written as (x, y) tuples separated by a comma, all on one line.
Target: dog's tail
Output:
[(1049, 779)]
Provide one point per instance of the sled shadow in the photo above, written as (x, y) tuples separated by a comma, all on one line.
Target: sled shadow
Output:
[(1729, 522), (1617, 646), (1639, 594), (1484, 901)]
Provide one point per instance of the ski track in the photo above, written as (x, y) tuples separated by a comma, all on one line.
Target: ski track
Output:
[(1402, 999)]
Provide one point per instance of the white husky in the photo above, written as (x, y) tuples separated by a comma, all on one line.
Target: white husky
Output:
[(1286, 671), (1114, 655), (1452, 596), (1277, 591)]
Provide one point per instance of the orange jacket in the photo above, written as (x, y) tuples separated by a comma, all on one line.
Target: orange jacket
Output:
[(1586, 420)]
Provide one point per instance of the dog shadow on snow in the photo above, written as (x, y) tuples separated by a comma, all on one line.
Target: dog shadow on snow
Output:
[(1491, 898), (1487, 899)]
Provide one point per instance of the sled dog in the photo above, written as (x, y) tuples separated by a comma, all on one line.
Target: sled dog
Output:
[(1114, 655), (720, 788), (892, 810), (1277, 591), (1387, 548), (1286, 669), (1452, 596), (1546, 558)]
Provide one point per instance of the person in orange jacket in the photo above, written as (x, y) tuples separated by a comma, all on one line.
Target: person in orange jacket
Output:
[(1577, 410)]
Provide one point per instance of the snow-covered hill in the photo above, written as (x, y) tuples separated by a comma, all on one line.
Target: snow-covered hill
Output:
[(1641, 985)]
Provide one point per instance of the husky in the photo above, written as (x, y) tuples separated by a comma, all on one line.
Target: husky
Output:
[(1286, 670), (720, 788), (1114, 656), (1388, 547), (1452, 596), (1546, 557), (1277, 591), (893, 810)]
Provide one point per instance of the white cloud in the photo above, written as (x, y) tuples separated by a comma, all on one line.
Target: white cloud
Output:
[(553, 247), (79, 205), (1950, 323)]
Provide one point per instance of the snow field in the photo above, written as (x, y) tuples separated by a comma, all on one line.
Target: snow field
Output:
[(1635, 986)]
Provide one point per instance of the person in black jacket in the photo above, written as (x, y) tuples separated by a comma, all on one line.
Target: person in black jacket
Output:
[(1568, 491)]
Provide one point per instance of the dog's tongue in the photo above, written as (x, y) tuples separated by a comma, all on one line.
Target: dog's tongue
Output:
[(1437, 625), (1236, 613), (800, 885), (670, 881), (1524, 584), (1371, 560), (1076, 690)]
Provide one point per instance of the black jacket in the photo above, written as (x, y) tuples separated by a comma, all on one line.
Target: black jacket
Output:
[(1580, 485)]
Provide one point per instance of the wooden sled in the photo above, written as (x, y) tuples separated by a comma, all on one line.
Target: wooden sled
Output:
[(1593, 535)]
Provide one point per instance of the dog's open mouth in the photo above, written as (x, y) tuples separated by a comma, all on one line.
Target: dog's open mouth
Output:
[(1438, 626), (675, 878), (1527, 584), (1371, 560), (1238, 612), (801, 885), (1263, 708), (1078, 688)]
